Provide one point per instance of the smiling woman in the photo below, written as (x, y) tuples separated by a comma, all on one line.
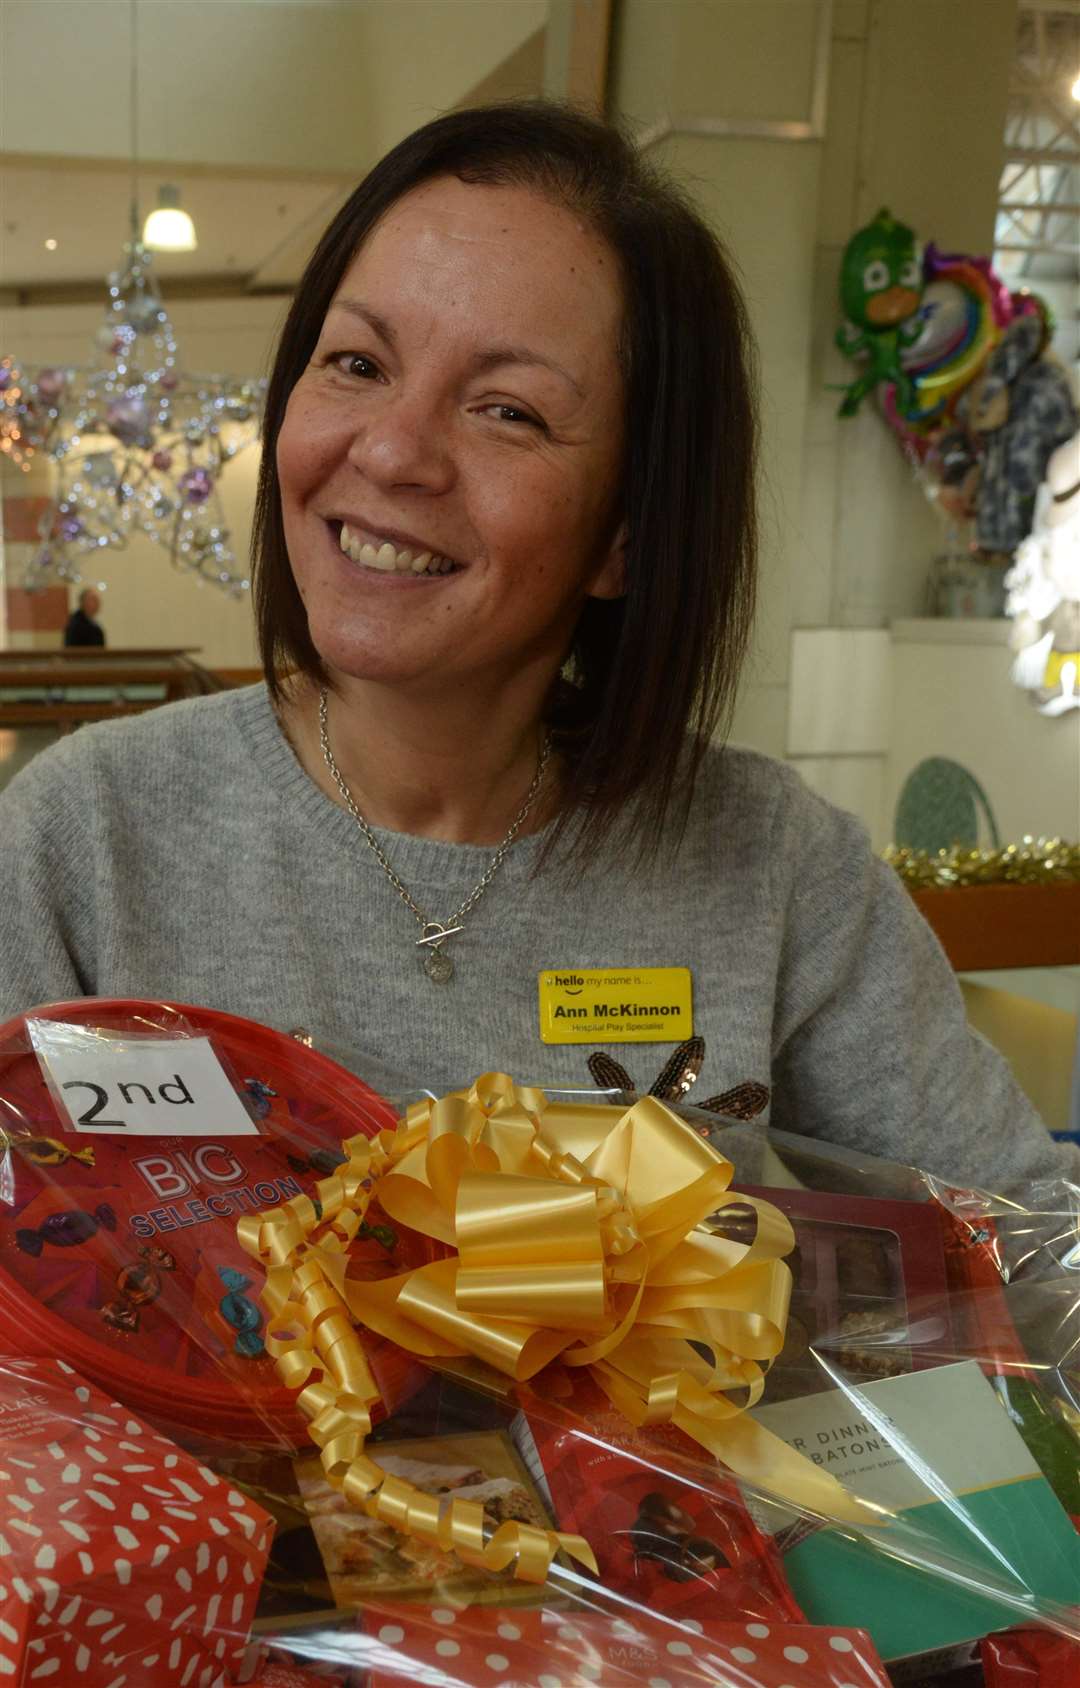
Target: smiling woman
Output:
[(527, 355), (461, 410), (504, 572)]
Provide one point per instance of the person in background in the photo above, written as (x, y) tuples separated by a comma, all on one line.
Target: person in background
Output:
[(82, 629)]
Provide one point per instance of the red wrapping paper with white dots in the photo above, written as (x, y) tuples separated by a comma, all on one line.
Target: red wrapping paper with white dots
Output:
[(483, 1647), (123, 1562)]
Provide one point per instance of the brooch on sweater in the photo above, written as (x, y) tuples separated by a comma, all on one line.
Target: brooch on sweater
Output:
[(676, 1078)]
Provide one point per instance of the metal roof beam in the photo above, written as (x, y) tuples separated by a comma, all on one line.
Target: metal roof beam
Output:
[(1042, 155), (1068, 251)]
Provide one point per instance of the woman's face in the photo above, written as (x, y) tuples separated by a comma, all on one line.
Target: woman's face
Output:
[(463, 405)]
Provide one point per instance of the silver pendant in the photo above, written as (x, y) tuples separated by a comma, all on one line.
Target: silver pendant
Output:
[(438, 967)]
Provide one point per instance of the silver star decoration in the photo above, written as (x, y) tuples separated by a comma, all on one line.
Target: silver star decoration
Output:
[(139, 445)]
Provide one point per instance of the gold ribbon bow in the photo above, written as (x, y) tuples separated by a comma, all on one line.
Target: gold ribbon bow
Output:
[(581, 1232)]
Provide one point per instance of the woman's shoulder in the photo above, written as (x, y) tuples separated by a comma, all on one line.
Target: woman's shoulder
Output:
[(176, 744), (755, 820), (745, 790)]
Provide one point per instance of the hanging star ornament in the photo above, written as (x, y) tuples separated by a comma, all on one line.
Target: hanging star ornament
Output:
[(139, 445)]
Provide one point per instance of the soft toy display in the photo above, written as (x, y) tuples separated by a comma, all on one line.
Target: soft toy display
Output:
[(881, 283), (1044, 590)]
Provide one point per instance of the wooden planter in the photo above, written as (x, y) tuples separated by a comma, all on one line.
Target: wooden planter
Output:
[(986, 926)]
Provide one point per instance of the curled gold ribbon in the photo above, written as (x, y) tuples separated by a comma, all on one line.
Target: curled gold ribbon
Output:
[(580, 1233)]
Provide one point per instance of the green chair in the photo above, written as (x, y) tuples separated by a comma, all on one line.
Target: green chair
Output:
[(939, 806)]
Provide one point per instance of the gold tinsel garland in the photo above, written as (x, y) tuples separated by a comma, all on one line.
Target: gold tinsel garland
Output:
[(1034, 861)]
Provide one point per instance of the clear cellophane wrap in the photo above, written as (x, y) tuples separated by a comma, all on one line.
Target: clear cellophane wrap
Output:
[(513, 1388)]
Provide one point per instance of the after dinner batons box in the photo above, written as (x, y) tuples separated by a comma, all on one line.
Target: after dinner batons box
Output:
[(123, 1562), (974, 1499)]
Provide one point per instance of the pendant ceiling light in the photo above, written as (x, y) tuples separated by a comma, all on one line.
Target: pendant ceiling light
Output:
[(169, 228)]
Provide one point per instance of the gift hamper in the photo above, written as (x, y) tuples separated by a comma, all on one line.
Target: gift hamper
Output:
[(511, 1389)]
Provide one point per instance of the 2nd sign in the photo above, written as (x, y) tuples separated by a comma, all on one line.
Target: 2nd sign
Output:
[(142, 1087), (173, 1090)]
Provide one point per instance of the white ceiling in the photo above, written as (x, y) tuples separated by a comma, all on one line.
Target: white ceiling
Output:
[(248, 227), (264, 113)]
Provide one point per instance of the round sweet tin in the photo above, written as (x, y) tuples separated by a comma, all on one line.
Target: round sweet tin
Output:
[(119, 1254)]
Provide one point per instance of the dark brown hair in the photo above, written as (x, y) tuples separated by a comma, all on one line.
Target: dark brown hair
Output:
[(651, 676)]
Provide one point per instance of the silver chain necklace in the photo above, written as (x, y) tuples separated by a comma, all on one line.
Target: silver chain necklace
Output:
[(438, 966)]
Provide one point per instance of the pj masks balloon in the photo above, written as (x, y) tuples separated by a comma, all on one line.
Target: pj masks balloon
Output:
[(881, 284)]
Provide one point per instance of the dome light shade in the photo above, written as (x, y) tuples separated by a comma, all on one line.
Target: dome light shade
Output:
[(168, 228)]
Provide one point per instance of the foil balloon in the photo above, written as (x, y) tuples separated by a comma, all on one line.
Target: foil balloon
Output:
[(964, 311), (881, 283), (1020, 409), (1026, 303)]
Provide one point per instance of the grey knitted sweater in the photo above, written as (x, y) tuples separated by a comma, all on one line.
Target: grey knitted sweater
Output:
[(186, 855)]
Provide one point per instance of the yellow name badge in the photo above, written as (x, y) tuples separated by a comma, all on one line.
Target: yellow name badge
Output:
[(616, 1005)]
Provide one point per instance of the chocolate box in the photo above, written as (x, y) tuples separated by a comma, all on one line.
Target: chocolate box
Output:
[(868, 1273), (669, 1528)]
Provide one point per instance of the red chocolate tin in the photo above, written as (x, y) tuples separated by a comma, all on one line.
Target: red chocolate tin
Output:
[(120, 1254)]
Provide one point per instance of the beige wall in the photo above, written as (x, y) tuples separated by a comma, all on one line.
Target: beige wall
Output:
[(299, 84), (917, 94), (916, 123), (915, 119), (952, 696)]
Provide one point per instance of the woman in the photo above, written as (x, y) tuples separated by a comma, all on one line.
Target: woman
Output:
[(504, 568)]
